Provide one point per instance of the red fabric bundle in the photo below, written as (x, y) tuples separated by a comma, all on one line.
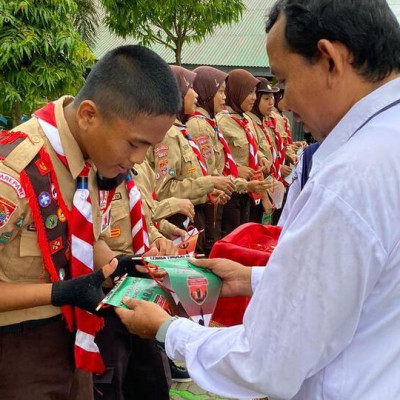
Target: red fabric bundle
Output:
[(250, 244)]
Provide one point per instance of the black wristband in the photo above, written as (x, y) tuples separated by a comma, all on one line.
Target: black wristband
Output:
[(84, 292)]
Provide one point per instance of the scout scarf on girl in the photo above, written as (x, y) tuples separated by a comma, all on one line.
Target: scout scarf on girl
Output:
[(230, 167), (87, 355), (196, 151), (287, 130), (271, 123), (253, 159), (276, 165), (140, 237)]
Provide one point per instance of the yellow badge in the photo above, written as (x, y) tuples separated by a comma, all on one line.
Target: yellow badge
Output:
[(115, 232), (61, 215), (191, 170)]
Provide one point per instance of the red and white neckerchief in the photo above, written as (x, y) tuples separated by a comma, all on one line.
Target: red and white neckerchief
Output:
[(253, 159), (140, 236), (276, 165), (230, 166), (196, 151), (271, 123), (287, 130), (87, 355)]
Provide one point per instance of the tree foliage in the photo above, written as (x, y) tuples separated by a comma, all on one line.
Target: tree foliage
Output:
[(86, 21), (170, 22), (41, 54)]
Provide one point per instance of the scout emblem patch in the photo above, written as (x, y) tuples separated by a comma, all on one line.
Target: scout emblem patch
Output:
[(61, 215), (7, 209), (19, 222), (163, 165), (5, 237), (51, 221), (56, 245), (44, 199), (42, 167)]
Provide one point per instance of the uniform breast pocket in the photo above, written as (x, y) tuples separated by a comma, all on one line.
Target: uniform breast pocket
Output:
[(28, 246), (191, 164), (241, 143), (118, 236)]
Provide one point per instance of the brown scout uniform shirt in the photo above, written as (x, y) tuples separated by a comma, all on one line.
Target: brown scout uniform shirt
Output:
[(211, 147), (177, 170), (263, 145), (20, 255), (236, 136)]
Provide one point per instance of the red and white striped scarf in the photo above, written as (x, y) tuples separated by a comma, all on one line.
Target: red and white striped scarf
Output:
[(253, 159), (196, 151), (276, 165), (140, 236), (287, 130), (230, 167), (271, 123), (87, 355)]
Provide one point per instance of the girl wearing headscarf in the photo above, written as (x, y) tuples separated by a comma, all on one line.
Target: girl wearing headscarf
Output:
[(261, 110), (210, 85), (239, 133), (179, 166)]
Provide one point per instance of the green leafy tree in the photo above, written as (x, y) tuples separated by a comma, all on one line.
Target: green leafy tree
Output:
[(170, 22), (41, 54), (86, 21)]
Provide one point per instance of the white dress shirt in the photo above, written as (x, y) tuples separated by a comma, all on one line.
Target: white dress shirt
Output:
[(324, 320)]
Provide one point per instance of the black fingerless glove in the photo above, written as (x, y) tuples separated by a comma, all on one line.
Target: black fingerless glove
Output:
[(84, 292), (125, 266)]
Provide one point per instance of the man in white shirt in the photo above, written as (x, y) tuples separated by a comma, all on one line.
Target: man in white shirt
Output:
[(324, 319)]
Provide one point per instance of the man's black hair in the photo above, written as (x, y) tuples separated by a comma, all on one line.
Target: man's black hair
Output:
[(368, 28), (131, 80)]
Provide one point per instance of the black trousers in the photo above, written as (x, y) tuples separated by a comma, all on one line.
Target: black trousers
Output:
[(236, 212), (134, 366)]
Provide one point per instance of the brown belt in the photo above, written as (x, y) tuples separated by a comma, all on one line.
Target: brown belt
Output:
[(26, 325)]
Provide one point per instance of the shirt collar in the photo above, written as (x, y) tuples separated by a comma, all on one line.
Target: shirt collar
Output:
[(358, 115), (71, 148)]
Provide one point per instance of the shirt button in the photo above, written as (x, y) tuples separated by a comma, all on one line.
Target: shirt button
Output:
[(35, 139)]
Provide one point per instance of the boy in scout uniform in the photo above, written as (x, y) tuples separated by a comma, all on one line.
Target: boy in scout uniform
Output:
[(239, 132), (180, 168), (49, 194)]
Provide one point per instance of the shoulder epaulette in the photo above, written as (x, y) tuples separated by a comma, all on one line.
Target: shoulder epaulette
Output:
[(17, 149)]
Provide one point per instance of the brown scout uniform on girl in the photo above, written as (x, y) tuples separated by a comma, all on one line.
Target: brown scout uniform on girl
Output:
[(239, 85), (210, 147)]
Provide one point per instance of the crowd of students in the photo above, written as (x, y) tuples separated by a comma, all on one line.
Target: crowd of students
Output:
[(114, 172), (119, 170)]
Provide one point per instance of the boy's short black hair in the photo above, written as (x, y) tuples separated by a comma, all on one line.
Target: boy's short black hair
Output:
[(368, 28), (131, 80)]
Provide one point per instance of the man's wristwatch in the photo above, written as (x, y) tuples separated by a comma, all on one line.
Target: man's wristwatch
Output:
[(162, 332)]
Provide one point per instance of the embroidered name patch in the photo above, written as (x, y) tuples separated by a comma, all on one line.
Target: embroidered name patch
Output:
[(11, 181), (161, 151)]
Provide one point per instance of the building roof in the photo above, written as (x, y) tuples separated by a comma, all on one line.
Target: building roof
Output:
[(241, 44), (238, 45)]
